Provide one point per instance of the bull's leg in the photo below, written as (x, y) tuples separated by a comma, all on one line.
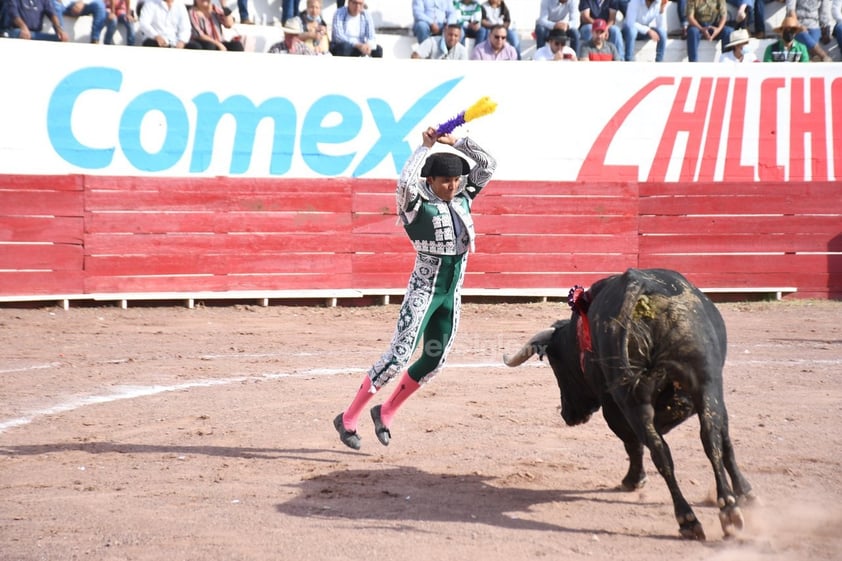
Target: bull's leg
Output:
[(713, 420), (742, 487), (641, 417), (636, 475)]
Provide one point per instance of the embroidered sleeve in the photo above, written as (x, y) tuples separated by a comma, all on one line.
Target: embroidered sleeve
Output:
[(481, 173), (407, 194)]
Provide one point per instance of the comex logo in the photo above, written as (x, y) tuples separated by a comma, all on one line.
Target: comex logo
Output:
[(209, 110)]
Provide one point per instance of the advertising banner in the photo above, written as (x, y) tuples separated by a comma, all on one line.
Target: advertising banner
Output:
[(95, 110)]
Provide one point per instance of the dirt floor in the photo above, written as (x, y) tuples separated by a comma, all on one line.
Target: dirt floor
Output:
[(167, 433)]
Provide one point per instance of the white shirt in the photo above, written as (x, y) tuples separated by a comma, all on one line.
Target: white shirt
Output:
[(643, 17), (546, 53), (434, 47), (554, 11), (353, 27), (495, 16), (170, 22), (748, 56)]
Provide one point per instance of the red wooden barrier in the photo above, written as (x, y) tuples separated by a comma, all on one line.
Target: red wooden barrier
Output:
[(747, 235), (84, 235), (41, 234)]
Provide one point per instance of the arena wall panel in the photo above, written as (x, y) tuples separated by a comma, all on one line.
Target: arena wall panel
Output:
[(777, 234), (165, 235)]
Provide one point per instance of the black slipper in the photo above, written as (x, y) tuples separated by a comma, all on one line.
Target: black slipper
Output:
[(381, 430), (349, 438)]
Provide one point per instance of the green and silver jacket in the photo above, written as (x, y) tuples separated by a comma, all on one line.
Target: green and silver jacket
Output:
[(434, 226)]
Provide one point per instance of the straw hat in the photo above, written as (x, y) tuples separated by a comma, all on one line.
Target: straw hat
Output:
[(789, 22), (738, 37), (293, 26)]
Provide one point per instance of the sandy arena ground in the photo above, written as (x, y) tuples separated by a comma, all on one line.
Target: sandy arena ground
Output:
[(165, 433)]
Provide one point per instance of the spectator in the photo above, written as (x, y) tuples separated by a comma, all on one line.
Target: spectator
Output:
[(813, 15), (353, 32), (620, 6), (495, 12), (705, 18), (78, 8), (760, 17), (645, 20), (447, 47), (558, 14), (315, 28), (495, 47), (290, 9), (836, 12), (592, 10), (292, 43), (430, 17), (597, 48), (207, 21), (681, 12), (787, 48), (555, 48), (166, 23), (742, 16), (119, 12), (243, 9), (469, 16), (24, 19), (735, 49)]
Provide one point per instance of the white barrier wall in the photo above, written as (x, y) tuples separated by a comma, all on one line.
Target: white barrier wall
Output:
[(118, 111)]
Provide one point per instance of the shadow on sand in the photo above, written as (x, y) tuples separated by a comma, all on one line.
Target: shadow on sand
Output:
[(401, 497)]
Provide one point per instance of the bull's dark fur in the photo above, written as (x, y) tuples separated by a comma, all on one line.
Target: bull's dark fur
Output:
[(658, 353)]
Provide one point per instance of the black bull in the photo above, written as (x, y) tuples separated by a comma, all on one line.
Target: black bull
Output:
[(657, 349)]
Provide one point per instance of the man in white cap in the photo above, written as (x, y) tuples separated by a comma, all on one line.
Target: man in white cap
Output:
[(434, 196), (736, 48), (293, 44)]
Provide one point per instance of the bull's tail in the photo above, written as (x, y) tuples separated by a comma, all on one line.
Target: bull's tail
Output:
[(634, 341)]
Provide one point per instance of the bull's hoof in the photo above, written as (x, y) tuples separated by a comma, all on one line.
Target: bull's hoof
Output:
[(732, 520), (692, 531), (749, 499), (633, 484)]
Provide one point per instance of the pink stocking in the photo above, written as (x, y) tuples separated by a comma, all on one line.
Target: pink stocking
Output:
[(364, 394), (406, 387)]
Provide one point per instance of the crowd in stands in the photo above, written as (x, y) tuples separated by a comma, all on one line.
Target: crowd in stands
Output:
[(566, 30)]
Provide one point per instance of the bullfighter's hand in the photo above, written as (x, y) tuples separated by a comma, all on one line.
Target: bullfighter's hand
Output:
[(448, 139), (428, 137)]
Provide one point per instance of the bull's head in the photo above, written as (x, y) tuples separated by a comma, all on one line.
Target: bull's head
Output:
[(561, 348)]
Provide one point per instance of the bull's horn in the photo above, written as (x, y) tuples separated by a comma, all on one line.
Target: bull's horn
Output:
[(540, 339)]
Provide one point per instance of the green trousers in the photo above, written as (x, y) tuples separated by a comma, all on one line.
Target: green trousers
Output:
[(429, 313)]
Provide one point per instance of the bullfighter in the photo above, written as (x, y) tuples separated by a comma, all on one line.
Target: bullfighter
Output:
[(434, 196)]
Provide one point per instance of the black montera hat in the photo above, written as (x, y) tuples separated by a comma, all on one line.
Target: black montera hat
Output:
[(445, 165)]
